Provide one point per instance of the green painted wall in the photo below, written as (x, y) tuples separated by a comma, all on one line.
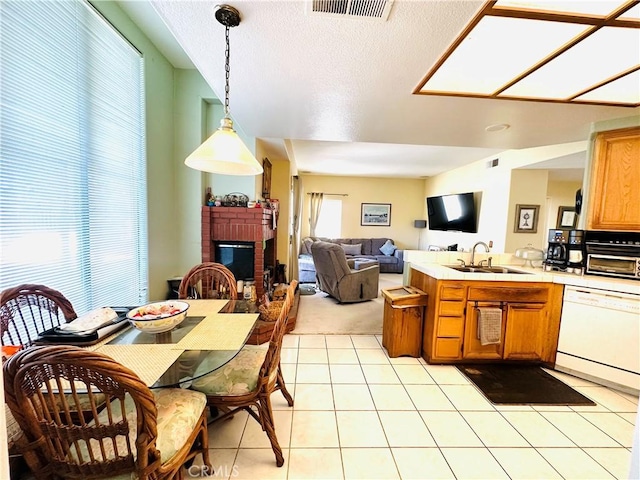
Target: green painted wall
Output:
[(175, 119)]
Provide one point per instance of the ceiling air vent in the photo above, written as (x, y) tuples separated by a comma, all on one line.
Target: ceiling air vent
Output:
[(373, 9)]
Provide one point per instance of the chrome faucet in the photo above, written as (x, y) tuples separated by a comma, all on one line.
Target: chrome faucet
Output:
[(473, 250)]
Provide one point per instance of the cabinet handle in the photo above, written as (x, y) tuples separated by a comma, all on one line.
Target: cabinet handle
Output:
[(475, 305)]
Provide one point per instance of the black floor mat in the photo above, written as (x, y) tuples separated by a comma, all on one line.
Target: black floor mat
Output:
[(521, 385)]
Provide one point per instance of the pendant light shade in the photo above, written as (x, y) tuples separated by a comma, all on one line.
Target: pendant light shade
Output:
[(224, 152)]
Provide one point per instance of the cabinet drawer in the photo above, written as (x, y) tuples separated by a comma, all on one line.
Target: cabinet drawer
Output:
[(509, 294), (455, 291), (451, 309), (450, 327), (448, 348)]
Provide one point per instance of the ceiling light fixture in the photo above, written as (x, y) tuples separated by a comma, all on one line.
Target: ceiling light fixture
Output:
[(497, 127), (224, 152), (545, 51)]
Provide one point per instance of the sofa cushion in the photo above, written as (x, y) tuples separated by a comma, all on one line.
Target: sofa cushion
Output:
[(376, 243), (305, 245), (355, 249), (388, 248)]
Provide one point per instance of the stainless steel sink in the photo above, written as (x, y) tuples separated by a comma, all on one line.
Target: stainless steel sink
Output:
[(483, 269)]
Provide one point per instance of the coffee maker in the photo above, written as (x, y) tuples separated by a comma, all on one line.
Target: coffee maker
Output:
[(576, 252), (557, 257)]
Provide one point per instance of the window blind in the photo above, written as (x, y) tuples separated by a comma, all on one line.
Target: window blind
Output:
[(72, 148)]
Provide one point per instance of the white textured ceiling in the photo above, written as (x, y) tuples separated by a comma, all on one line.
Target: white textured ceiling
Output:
[(334, 94)]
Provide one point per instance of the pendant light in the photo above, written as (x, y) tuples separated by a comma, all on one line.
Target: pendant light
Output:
[(224, 152)]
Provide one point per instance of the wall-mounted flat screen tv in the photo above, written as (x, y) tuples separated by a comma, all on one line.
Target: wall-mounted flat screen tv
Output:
[(455, 212)]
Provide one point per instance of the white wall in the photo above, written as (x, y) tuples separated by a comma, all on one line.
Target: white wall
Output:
[(493, 185), (497, 208), (560, 194), (528, 187)]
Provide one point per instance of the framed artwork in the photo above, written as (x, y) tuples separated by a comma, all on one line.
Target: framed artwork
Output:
[(376, 214), (567, 217), (266, 178), (526, 218)]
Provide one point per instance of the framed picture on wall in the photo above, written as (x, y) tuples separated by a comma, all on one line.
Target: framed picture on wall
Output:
[(266, 178), (567, 217), (526, 218), (376, 214)]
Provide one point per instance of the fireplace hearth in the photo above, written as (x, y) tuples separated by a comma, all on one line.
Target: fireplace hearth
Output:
[(242, 226)]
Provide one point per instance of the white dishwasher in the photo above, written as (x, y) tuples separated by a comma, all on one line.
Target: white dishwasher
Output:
[(600, 337)]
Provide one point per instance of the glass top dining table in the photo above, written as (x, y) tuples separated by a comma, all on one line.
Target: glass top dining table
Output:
[(210, 336)]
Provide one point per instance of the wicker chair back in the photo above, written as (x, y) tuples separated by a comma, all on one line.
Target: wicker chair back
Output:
[(26, 310), (208, 280), (43, 385)]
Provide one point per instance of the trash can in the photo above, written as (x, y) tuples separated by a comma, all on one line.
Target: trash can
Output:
[(402, 321)]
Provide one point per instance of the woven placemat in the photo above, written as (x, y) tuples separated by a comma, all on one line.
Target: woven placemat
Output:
[(13, 429), (202, 308), (219, 332), (149, 362)]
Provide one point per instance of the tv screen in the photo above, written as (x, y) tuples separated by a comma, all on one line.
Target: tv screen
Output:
[(452, 212)]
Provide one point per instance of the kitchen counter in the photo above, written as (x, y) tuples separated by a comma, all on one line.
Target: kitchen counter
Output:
[(442, 272)]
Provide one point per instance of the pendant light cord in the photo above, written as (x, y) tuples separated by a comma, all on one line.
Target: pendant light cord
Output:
[(227, 69)]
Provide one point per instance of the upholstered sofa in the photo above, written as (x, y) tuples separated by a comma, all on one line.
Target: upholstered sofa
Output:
[(390, 262)]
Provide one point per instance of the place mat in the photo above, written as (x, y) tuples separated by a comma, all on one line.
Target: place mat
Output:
[(521, 385), (202, 308), (219, 332), (149, 362)]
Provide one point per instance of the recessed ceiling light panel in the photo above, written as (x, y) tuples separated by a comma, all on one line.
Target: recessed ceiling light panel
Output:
[(544, 50), (625, 89), (485, 62), (602, 55)]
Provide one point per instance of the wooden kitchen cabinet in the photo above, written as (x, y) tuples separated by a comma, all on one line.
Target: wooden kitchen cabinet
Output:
[(443, 330), (525, 329), (473, 349), (614, 196), (530, 325)]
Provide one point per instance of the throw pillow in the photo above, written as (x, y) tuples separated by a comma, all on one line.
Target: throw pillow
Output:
[(355, 249), (308, 241), (388, 248)]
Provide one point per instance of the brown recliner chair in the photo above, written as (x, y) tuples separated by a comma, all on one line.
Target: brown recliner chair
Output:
[(336, 277)]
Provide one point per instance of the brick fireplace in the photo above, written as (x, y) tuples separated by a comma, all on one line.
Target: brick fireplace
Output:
[(242, 224)]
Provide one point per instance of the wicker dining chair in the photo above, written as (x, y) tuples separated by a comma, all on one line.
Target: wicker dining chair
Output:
[(25, 311), (28, 309), (247, 381), (140, 432), (208, 280)]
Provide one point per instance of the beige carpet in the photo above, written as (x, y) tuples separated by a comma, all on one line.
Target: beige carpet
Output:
[(321, 314)]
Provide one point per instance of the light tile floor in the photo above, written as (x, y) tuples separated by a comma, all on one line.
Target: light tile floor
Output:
[(359, 414)]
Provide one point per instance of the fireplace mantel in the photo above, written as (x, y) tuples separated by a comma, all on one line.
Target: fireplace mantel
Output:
[(244, 225)]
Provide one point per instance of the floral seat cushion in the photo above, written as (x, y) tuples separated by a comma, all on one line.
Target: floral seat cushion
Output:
[(179, 411), (238, 377)]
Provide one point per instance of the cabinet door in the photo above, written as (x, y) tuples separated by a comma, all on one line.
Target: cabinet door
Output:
[(614, 202), (473, 349), (526, 331)]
